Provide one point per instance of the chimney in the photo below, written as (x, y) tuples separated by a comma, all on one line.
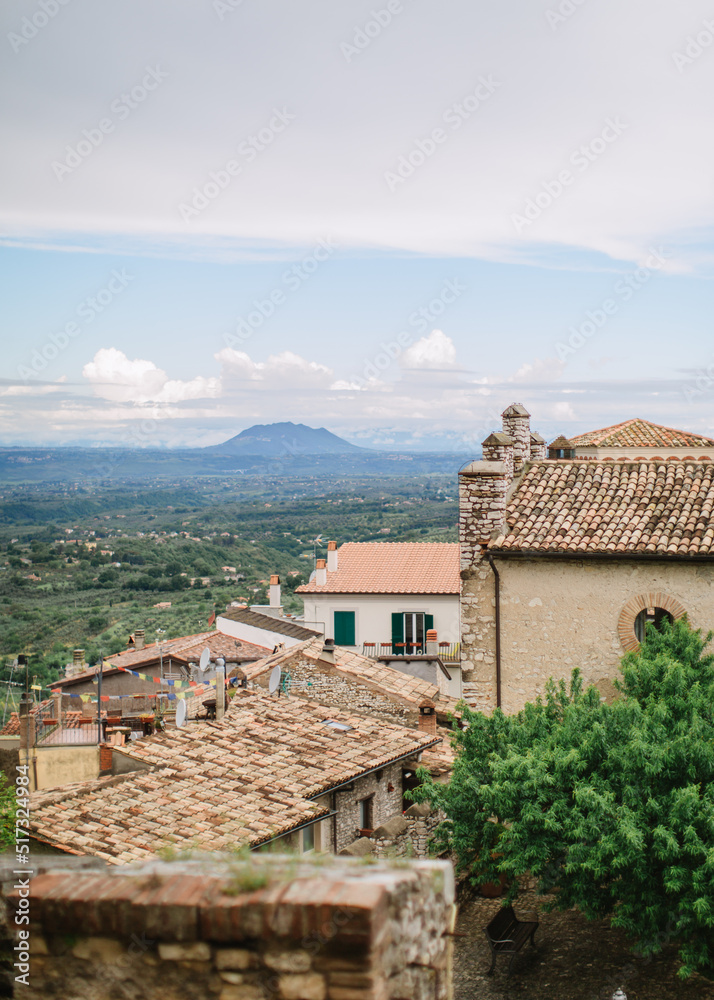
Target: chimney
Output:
[(78, 658), (27, 723), (516, 423), (328, 651), (427, 717), (57, 710), (275, 591), (220, 690), (432, 644), (332, 557), (139, 639), (320, 573), (561, 448), (539, 449), (498, 447), (483, 487)]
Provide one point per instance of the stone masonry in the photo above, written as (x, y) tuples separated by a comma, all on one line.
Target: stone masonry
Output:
[(255, 928)]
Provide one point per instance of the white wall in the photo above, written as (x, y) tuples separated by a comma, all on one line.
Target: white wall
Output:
[(258, 636), (373, 613)]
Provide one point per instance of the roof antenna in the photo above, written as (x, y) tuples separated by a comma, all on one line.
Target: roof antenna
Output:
[(274, 682)]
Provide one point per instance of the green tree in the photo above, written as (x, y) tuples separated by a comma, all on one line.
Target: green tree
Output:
[(610, 807), (8, 808)]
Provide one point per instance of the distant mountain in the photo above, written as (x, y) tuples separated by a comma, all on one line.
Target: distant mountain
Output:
[(286, 439)]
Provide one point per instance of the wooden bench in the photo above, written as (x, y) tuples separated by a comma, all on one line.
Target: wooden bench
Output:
[(507, 935)]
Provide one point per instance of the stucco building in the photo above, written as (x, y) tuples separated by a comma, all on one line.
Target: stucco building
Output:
[(564, 559)]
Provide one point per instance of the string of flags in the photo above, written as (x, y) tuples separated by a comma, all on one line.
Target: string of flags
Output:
[(190, 688)]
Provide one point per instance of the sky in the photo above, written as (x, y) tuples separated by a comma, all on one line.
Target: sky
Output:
[(389, 218)]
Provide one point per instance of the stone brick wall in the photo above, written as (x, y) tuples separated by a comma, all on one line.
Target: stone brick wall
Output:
[(251, 929), (482, 506), (319, 683), (385, 803), (557, 614), (517, 426)]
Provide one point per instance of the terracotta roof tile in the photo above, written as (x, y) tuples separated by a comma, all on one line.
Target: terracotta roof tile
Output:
[(392, 568), (579, 506), (639, 433)]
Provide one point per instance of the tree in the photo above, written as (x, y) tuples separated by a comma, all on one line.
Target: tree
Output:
[(610, 807), (8, 808)]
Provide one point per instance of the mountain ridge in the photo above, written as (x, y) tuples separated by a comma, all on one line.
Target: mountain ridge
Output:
[(286, 438)]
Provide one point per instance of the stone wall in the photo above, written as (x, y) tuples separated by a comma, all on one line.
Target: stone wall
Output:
[(248, 929), (385, 803), (557, 614), (407, 835), (318, 682)]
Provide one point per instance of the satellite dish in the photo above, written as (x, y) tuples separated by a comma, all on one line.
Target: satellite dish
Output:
[(181, 714), (205, 658), (274, 682)]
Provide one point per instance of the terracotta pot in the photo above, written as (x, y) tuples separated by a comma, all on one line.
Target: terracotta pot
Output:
[(492, 890)]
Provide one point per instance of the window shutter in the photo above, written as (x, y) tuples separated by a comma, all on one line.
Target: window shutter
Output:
[(344, 628), (397, 630), (428, 624)]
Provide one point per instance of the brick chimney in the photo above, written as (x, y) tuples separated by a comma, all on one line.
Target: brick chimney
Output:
[(427, 717), (275, 591), (517, 424), (332, 557), (498, 447), (432, 642), (320, 573), (483, 487), (139, 639), (539, 449), (78, 658)]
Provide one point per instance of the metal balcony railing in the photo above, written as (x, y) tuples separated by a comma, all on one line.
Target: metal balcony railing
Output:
[(449, 652)]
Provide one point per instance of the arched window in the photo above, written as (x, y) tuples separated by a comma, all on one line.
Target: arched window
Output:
[(654, 607)]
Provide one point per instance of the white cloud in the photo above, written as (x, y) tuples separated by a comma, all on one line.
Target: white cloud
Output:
[(435, 351), (115, 377), (285, 370)]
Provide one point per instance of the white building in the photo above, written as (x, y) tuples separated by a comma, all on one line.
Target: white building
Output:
[(381, 598)]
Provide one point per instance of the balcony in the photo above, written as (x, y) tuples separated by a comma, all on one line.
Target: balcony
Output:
[(448, 652)]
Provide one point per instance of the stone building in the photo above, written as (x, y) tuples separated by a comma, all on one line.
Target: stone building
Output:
[(565, 559)]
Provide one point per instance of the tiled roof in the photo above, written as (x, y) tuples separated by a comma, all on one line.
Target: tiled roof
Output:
[(392, 568), (295, 630), (239, 781), (185, 649), (639, 433), (662, 508), (403, 689), (12, 726)]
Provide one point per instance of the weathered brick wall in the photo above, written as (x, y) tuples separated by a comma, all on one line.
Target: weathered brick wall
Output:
[(242, 930), (385, 803), (318, 683)]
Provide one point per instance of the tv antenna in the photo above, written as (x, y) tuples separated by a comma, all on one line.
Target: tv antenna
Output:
[(274, 682), (181, 714), (205, 659)]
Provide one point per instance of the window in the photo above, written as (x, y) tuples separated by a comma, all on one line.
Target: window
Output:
[(650, 616), (365, 813), (409, 630), (308, 838), (344, 628), (333, 724)]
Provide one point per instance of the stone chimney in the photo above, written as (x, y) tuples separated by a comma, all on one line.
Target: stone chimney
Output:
[(498, 447), (539, 449), (432, 642), (27, 723), (332, 557), (139, 639), (320, 573), (561, 448), (275, 591), (482, 506), (427, 717), (517, 424)]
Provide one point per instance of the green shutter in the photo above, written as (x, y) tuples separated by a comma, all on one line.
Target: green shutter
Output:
[(428, 624), (397, 631), (344, 628)]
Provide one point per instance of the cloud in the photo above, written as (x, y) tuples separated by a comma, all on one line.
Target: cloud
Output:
[(434, 351), (281, 371), (114, 377)]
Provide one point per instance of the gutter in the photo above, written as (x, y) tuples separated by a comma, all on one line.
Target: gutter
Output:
[(497, 597), (603, 556), (294, 829)]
